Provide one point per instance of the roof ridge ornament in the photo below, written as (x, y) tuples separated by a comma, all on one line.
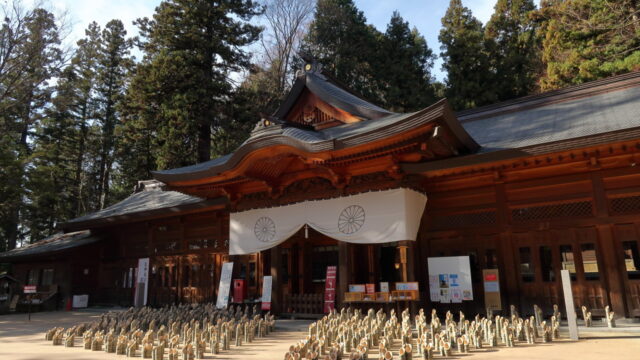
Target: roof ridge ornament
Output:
[(311, 64)]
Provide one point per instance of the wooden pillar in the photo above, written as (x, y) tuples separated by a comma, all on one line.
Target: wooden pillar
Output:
[(407, 262), (344, 273), (506, 260), (371, 264), (613, 263), (613, 270), (276, 263), (408, 267)]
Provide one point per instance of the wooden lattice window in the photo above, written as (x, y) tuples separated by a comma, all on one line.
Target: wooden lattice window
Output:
[(454, 221), (572, 209), (625, 205)]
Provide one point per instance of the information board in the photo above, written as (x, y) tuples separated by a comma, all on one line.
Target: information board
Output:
[(450, 279), (330, 289), (267, 283), (142, 283), (80, 301), (491, 281), (225, 285)]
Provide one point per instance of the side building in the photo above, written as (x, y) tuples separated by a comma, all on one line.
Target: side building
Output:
[(528, 187)]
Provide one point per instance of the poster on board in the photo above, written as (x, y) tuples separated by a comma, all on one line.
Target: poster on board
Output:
[(450, 279), (225, 285)]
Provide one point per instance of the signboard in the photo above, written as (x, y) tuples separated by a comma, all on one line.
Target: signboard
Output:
[(267, 283), (80, 301), (357, 288), (406, 286), (371, 288), (225, 285), (30, 289), (330, 289), (450, 279), (491, 280), (384, 287), (142, 283)]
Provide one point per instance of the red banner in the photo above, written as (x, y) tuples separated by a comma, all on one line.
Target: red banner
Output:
[(330, 289)]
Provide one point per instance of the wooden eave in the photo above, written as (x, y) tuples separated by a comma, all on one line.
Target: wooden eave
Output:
[(536, 155), (429, 134), (623, 154), (213, 204)]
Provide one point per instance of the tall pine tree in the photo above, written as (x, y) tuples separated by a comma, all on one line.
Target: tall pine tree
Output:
[(30, 56), (469, 75), (190, 49), (113, 69), (406, 68), (51, 186), (340, 39), (514, 48)]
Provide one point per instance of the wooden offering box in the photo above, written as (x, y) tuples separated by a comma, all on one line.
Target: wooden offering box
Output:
[(405, 295), (353, 296), (382, 296), (369, 297)]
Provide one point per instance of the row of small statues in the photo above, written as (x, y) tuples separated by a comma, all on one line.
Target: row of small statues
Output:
[(353, 335), (182, 332), (609, 317)]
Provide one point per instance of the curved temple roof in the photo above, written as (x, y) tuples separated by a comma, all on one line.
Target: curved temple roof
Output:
[(602, 111), (312, 141), (54, 243), (571, 117)]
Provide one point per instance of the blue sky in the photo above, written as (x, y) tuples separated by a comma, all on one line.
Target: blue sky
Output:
[(423, 14)]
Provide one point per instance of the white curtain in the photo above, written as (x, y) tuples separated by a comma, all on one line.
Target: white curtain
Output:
[(369, 218)]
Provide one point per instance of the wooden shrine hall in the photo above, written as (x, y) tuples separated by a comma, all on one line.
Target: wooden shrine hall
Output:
[(527, 188)]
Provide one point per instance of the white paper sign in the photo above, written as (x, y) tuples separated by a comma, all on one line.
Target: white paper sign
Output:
[(225, 285), (142, 283), (266, 292), (80, 301)]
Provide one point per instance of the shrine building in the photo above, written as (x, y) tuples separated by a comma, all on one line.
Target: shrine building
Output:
[(527, 187)]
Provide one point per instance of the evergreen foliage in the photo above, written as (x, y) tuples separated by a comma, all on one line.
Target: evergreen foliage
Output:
[(469, 76), (182, 84), (513, 48), (585, 40), (340, 39), (29, 57), (406, 68), (391, 69)]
